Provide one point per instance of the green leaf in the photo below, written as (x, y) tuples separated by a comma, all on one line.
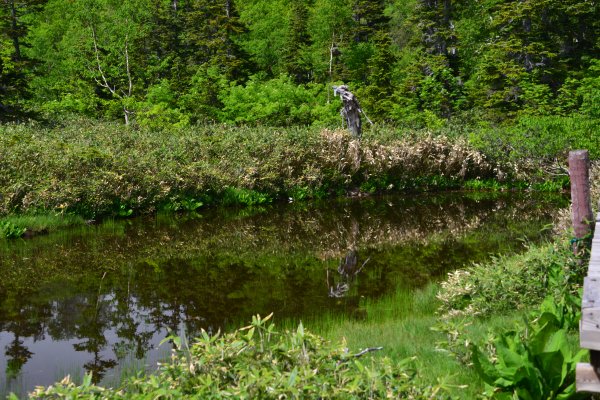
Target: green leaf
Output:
[(87, 380), (553, 368), (484, 368), (292, 378), (300, 330)]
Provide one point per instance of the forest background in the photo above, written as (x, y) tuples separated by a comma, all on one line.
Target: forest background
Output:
[(519, 79), (415, 63)]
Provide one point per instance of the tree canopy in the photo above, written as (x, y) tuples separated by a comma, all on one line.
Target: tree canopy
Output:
[(177, 62)]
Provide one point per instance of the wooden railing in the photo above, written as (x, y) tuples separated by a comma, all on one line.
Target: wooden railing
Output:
[(589, 327)]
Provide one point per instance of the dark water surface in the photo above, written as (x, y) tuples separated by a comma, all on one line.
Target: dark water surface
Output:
[(101, 298)]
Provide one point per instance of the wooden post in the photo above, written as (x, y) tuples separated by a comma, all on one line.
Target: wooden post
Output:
[(581, 203)]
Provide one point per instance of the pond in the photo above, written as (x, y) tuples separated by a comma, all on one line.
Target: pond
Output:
[(101, 298)]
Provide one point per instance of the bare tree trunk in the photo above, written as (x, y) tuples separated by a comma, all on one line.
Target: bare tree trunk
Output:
[(331, 48), (351, 110), (121, 95)]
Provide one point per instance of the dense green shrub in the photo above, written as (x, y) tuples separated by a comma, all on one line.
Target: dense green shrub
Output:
[(532, 363), (536, 147), (531, 360), (509, 283), (94, 169), (8, 230), (277, 102), (258, 362)]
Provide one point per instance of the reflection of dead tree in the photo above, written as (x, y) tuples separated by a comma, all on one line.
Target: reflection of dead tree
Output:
[(348, 271), (347, 267)]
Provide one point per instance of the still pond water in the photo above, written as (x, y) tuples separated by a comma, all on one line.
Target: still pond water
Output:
[(101, 298)]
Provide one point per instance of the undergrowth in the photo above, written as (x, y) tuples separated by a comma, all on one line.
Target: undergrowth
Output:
[(509, 283), (104, 169), (260, 362), (533, 353)]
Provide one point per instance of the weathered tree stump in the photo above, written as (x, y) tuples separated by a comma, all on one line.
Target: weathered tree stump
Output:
[(351, 110)]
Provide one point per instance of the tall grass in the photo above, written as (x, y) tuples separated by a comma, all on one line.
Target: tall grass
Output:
[(47, 222), (402, 323)]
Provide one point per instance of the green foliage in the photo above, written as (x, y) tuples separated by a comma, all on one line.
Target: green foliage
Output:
[(246, 197), (201, 102), (485, 184), (259, 362), (276, 102), (535, 364), (8, 230), (185, 203), (534, 149), (265, 41), (417, 62), (123, 210), (535, 360), (102, 169), (589, 91), (160, 108), (15, 65), (510, 283)]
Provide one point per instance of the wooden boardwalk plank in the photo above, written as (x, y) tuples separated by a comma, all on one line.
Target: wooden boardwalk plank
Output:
[(591, 292), (587, 380)]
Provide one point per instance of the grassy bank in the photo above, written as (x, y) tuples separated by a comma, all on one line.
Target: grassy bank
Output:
[(105, 169), (13, 226), (403, 324), (95, 170)]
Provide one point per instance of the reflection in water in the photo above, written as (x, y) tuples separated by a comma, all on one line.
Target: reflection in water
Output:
[(17, 355), (348, 270), (98, 297)]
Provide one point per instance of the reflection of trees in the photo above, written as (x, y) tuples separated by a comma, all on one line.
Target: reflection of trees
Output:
[(16, 356), (87, 313), (94, 319), (307, 227), (23, 320), (127, 319)]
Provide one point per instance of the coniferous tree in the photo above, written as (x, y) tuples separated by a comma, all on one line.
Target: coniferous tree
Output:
[(369, 19), (15, 66), (209, 36), (162, 46), (537, 46), (296, 60), (430, 85), (211, 54)]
